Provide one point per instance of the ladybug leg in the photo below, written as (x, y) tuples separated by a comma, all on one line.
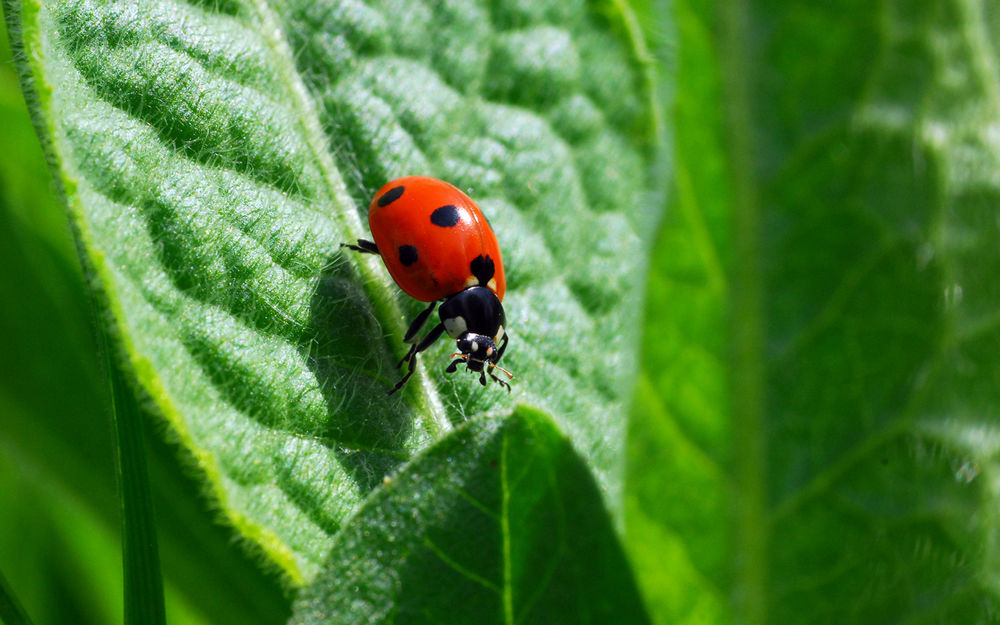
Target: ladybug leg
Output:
[(411, 334), (432, 336), (400, 384), (410, 355), (454, 365), (363, 246), (502, 383), (503, 347)]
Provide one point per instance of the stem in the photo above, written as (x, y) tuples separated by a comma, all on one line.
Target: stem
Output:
[(745, 327)]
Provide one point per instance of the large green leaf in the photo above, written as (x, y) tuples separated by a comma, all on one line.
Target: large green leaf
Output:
[(214, 155), (816, 433)]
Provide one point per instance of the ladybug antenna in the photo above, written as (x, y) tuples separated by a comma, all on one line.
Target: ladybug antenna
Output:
[(510, 375)]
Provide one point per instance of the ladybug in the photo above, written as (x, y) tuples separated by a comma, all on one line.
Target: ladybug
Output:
[(438, 247)]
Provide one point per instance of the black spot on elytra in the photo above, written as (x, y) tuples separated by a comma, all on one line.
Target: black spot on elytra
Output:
[(446, 216), (482, 267), (390, 196), (407, 255)]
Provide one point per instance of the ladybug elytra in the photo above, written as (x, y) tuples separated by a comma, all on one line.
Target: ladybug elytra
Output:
[(438, 247)]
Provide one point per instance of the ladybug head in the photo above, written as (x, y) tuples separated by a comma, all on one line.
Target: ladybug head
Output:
[(477, 350), (475, 319), (480, 354)]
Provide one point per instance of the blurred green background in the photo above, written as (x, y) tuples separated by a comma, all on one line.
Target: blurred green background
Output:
[(58, 528)]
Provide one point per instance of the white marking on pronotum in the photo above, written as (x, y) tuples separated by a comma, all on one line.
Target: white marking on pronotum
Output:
[(456, 326)]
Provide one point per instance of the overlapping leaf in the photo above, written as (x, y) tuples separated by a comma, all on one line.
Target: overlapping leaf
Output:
[(513, 531)]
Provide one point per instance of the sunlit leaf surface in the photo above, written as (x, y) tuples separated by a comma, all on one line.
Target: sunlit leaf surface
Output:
[(213, 157)]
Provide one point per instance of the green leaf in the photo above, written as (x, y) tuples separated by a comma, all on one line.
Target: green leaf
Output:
[(513, 531), (11, 612), (143, 581), (815, 436), (213, 156)]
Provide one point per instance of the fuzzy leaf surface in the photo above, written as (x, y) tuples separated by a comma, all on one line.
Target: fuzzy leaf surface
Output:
[(213, 157), (513, 532)]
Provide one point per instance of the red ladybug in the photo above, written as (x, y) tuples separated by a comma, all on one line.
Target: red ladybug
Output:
[(438, 246)]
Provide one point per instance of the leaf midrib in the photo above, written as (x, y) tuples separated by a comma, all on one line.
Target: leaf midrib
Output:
[(508, 591), (308, 118)]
